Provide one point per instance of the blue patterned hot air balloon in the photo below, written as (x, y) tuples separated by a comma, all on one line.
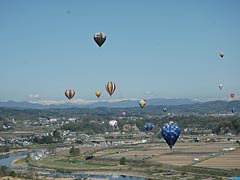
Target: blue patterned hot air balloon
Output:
[(148, 126), (170, 132)]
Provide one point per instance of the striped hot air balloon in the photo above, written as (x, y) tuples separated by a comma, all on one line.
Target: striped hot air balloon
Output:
[(69, 93), (110, 87)]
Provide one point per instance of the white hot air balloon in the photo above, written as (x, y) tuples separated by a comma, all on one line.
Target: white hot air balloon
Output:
[(113, 124), (220, 86)]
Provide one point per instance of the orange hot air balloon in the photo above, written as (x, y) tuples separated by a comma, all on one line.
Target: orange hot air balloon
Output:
[(126, 126), (232, 95), (69, 93), (98, 93), (212, 115)]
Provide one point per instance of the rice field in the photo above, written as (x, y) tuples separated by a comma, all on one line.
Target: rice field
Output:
[(196, 154), (229, 160)]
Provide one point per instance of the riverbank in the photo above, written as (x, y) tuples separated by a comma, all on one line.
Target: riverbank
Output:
[(49, 178), (12, 151)]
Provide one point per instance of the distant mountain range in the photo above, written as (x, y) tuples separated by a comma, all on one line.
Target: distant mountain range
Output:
[(154, 106), (120, 104)]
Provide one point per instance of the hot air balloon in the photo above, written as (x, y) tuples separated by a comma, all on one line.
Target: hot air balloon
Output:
[(148, 126), (220, 86), (98, 93), (142, 103), (110, 87), (212, 115), (69, 93), (221, 54), (233, 110), (232, 95), (100, 38), (123, 114), (126, 126), (170, 132), (113, 124), (165, 109)]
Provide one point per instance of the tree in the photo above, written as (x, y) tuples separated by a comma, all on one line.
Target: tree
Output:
[(74, 151), (123, 161), (3, 170), (56, 135), (12, 173)]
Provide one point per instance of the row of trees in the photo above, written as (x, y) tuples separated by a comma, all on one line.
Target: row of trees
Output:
[(48, 139), (216, 124), (231, 125), (74, 151), (4, 149)]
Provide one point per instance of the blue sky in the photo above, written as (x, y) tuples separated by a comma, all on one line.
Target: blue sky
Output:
[(162, 49)]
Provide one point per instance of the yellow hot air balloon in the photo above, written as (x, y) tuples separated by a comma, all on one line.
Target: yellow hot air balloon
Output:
[(98, 93), (142, 103)]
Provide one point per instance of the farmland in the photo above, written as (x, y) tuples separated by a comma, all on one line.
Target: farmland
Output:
[(213, 160)]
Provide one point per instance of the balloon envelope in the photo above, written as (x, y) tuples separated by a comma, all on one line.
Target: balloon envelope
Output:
[(110, 87), (126, 126), (69, 93), (221, 54), (170, 132), (233, 110), (165, 109), (113, 124), (98, 93), (148, 126), (212, 115), (100, 38), (232, 95), (220, 86), (142, 103)]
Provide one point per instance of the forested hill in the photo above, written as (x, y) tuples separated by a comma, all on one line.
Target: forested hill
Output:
[(207, 107), (212, 107), (218, 124)]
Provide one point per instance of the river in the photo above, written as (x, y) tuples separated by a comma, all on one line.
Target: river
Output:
[(7, 161)]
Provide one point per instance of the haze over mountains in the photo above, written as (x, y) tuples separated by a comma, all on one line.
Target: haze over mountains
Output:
[(119, 104), (153, 107)]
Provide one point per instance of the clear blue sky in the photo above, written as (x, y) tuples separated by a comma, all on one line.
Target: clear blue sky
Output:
[(165, 49)]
